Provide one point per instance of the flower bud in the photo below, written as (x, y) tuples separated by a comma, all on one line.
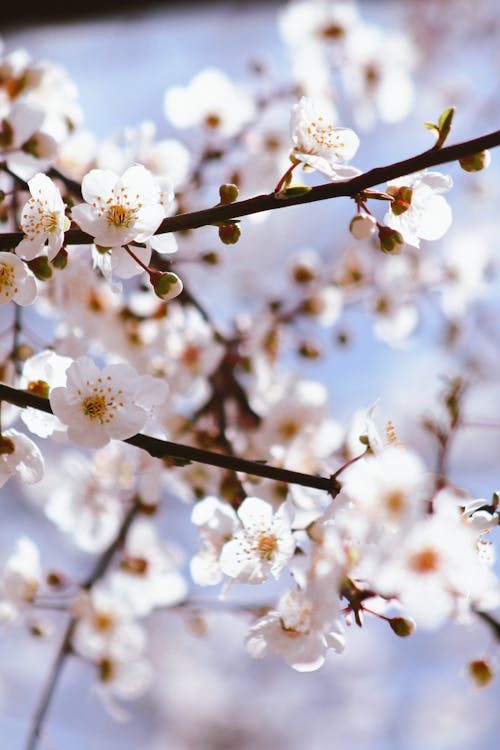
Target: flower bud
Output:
[(229, 233), (228, 193), (362, 226), (476, 162), (39, 388), (7, 446), (391, 241), (61, 259), (402, 626), (40, 267), (211, 259), (481, 672), (166, 285)]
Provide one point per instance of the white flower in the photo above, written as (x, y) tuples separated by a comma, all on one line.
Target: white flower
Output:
[(216, 521), (211, 99), (419, 211), (98, 405), (262, 546), (119, 210), (320, 145), (40, 372), (295, 632), (106, 628), (43, 219), (19, 580), (16, 281), (19, 455), (149, 575), (390, 487)]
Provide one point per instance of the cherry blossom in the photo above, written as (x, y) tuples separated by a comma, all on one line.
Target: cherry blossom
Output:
[(216, 521), (119, 210), (419, 211), (101, 404), (262, 546), (19, 455), (320, 145), (19, 580), (210, 100), (17, 282), (43, 219)]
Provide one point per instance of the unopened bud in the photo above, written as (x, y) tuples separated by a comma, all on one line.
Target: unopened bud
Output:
[(166, 285), (211, 259), (61, 259), (229, 233), (7, 446), (39, 388), (476, 162), (391, 241), (481, 672), (303, 272), (362, 226), (228, 193), (40, 267), (22, 352), (402, 626), (309, 351)]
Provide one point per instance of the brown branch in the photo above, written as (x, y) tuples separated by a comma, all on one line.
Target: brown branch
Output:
[(164, 448), (65, 648), (269, 202)]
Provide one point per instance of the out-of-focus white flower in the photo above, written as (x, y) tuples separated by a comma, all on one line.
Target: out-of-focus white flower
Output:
[(295, 632), (320, 22), (19, 455), (390, 487), (211, 100), (217, 522), (376, 74), (17, 282), (43, 219), (149, 575), (19, 579), (419, 211), (99, 405), (320, 145), (436, 571), (41, 372), (119, 210), (262, 546)]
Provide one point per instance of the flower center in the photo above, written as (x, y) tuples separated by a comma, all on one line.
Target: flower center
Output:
[(266, 546), (425, 561), (120, 216), (101, 403), (324, 136), (50, 221), (7, 280)]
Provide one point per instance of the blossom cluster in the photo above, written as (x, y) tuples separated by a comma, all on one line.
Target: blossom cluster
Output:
[(109, 348)]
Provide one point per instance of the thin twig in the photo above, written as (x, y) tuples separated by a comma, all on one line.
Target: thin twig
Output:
[(164, 448), (269, 202)]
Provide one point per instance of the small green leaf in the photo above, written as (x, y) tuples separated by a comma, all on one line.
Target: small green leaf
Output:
[(293, 192), (431, 126), (445, 120)]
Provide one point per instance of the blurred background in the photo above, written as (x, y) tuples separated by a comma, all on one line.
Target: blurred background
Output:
[(383, 693)]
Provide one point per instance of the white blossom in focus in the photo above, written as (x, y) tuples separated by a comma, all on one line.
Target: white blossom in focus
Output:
[(43, 219), (17, 282), (319, 144), (263, 545), (41, 372), (419, 211), (119, 210), (99, 405)]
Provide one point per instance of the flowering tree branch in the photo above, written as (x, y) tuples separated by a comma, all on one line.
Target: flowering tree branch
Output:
[(271, 201), (186, 453), (65, 648)]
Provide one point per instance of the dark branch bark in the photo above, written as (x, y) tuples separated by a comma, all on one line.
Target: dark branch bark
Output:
[(164, 448), (269, 202)]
